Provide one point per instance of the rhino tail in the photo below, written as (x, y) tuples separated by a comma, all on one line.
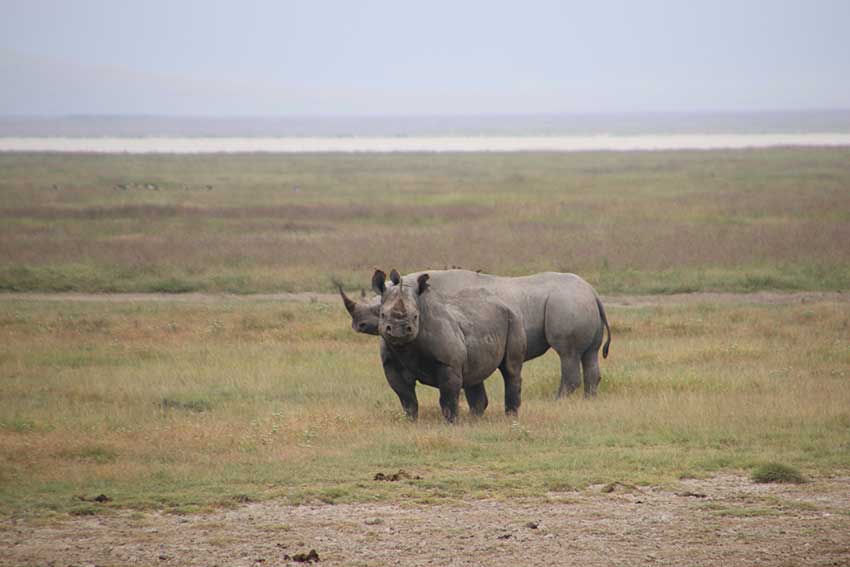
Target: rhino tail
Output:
[(605, 321)]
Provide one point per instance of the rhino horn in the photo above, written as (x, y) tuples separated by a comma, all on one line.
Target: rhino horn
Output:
[(399, 309), (349, 304)]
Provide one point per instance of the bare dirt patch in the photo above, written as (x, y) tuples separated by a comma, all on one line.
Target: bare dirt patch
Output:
[(727, 520)]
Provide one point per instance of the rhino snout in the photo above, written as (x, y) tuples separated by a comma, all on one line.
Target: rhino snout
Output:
[(399, 332)]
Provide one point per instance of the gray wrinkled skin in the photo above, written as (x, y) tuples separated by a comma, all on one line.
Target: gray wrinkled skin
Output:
[(364, 319), (559, 311), (448, 340)]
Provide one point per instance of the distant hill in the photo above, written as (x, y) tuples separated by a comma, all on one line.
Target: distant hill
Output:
[(516, 125)]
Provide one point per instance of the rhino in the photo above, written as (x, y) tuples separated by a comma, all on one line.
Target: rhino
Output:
[(559, 311), (364, 314), (364, 319), (447, 340)]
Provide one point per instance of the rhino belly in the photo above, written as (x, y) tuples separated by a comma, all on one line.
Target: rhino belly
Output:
[(530, 303), (483, 357), (537, 344)]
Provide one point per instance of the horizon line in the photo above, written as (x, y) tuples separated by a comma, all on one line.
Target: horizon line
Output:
[(703, 112)]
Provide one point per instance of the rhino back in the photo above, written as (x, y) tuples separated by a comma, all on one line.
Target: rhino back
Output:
[(556, 308)]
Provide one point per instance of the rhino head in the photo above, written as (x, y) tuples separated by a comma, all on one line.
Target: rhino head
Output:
[(398, 318), (364, 314)]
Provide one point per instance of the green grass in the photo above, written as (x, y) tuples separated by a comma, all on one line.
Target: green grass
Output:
[(636, 222), (777, 472), (183, 407)]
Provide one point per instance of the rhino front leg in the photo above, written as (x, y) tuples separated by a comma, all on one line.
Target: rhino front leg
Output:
[(449, 382), (476, 397), (407, 396), (403, 384)]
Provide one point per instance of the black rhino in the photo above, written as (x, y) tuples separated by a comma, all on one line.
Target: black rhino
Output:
[(559, 311), (449, 341)]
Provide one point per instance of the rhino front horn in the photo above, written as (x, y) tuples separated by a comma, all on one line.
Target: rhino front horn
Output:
[(349, 305)]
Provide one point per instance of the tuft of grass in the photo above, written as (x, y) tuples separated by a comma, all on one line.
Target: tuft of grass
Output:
[(194, 405), (777, 473), (747, 512), (97, 454), (84, 511), (174, 285), (18, 425)]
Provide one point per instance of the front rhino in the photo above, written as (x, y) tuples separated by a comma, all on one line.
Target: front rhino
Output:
[(449, 341), (364, 319)]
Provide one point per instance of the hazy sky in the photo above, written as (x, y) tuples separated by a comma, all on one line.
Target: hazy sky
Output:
[(436, 57)]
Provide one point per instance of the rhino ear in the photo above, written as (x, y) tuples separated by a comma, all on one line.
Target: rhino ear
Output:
[(395, 276), (423, 283), (378, 282)]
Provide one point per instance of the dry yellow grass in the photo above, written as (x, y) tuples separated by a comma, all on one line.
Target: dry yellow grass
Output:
[(181, 406)]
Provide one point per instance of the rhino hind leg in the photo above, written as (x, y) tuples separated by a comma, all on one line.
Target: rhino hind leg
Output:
[(592, 375), (476, 397), (513, 388), (570, 374), (511, 367)]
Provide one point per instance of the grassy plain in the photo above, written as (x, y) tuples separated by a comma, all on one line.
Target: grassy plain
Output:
[(638, 222), (186, 406)]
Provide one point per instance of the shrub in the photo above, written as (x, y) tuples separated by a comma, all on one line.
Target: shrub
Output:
[(777, 472)]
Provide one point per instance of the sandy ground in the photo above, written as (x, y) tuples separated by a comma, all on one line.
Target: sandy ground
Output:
[(761, 297), (727, 520)]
